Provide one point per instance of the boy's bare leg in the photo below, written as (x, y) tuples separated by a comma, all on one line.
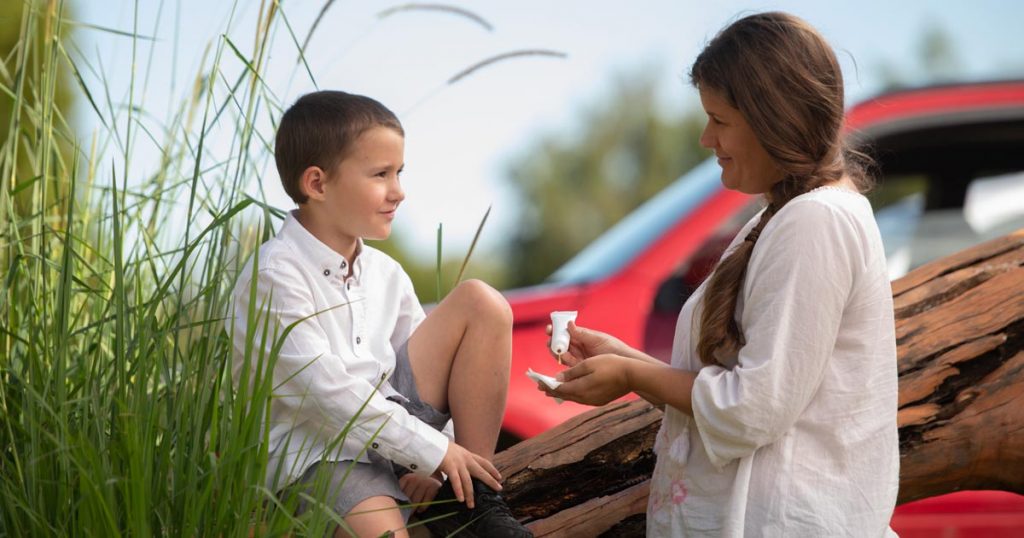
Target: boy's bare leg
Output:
[(460, 356), (375, 516)]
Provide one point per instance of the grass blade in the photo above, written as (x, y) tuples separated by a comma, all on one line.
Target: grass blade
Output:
[(502, 57), (472, 246), (439, 262), (444, 8)]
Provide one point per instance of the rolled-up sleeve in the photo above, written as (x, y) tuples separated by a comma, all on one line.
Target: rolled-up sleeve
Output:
[(311, 383), (798, 281)]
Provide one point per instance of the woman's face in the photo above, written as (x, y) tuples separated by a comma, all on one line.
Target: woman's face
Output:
[(746, 166)]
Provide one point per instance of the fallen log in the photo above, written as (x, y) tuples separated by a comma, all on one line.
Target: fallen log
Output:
[(960, 340)]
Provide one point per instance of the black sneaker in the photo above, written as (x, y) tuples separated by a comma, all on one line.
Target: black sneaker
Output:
[(490, 519)]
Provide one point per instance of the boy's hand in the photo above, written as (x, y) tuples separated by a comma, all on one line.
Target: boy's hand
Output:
[(586, 343), (420, 489), (462, 466)]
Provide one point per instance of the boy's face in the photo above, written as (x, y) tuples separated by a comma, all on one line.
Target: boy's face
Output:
[(362, 193)]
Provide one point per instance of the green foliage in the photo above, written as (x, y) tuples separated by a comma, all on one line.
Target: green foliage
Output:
[(118, 411), (936, 62), (573, 190), (432, 281)]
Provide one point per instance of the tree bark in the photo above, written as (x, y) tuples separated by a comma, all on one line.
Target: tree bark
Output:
[(960, 341)]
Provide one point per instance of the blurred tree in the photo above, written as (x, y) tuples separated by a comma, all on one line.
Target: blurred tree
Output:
[(938, 54), (936, 62), (424, 274), (572, 190)]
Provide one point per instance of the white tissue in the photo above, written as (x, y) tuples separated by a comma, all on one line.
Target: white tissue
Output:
[(546, 380)]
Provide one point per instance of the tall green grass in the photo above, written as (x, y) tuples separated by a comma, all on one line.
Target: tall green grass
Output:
[(118, 414), (118, 411)]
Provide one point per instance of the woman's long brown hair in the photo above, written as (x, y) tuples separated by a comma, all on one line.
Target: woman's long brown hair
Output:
[(785, 80)]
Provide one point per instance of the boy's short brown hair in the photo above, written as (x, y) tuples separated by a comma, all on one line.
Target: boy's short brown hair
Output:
[(319, 129)]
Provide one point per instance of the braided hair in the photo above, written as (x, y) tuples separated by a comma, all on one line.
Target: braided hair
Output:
[(783, 77)]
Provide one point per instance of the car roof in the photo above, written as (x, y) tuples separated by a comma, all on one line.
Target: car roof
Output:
[(944, 129), (935, 106)]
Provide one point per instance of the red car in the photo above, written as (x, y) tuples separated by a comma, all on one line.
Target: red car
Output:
[(951, 174)]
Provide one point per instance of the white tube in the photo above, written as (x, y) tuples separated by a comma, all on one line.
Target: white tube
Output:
[(560, 331)]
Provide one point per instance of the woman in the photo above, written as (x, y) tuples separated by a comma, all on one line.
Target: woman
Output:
[(780, 402)]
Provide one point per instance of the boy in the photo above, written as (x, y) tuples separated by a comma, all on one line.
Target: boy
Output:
[(359, 326)]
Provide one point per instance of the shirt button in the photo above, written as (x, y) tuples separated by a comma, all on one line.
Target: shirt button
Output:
[(327, 272), (383, 376), (359, 340), (413, 466), (375, 446), (344, 265)]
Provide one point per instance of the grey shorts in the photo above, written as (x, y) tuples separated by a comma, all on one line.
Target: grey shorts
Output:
[(348, 482)]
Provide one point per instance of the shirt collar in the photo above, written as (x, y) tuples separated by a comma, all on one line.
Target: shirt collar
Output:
[(328, 262)]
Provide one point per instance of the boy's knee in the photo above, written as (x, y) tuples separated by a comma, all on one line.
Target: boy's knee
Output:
[(482, 297)]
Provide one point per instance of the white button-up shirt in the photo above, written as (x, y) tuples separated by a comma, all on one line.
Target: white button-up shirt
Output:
[(336, 358), (796, 435)]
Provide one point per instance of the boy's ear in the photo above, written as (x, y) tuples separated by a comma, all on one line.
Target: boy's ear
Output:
[(312, 181)]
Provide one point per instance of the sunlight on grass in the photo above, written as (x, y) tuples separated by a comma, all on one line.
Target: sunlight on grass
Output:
[(119, 414)]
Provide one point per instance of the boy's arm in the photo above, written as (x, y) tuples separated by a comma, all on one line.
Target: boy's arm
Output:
[(312, 381)]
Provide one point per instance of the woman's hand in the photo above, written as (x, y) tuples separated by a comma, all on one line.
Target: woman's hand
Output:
[(420, 489), (594, 381), (587, 343)]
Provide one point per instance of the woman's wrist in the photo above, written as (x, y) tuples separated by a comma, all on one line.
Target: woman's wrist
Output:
[(659, 383), (638, 373), (625, 350), (640, 356), (633, 373)]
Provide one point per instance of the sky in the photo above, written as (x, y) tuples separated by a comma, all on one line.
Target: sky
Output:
[(462, 138)]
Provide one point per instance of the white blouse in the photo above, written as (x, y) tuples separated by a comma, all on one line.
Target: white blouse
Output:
[(797, 435)]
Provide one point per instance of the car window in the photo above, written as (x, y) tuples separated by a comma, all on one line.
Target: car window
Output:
[(898, 202), (672, 293), (924, 218), (995, 205), (633, 234)]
